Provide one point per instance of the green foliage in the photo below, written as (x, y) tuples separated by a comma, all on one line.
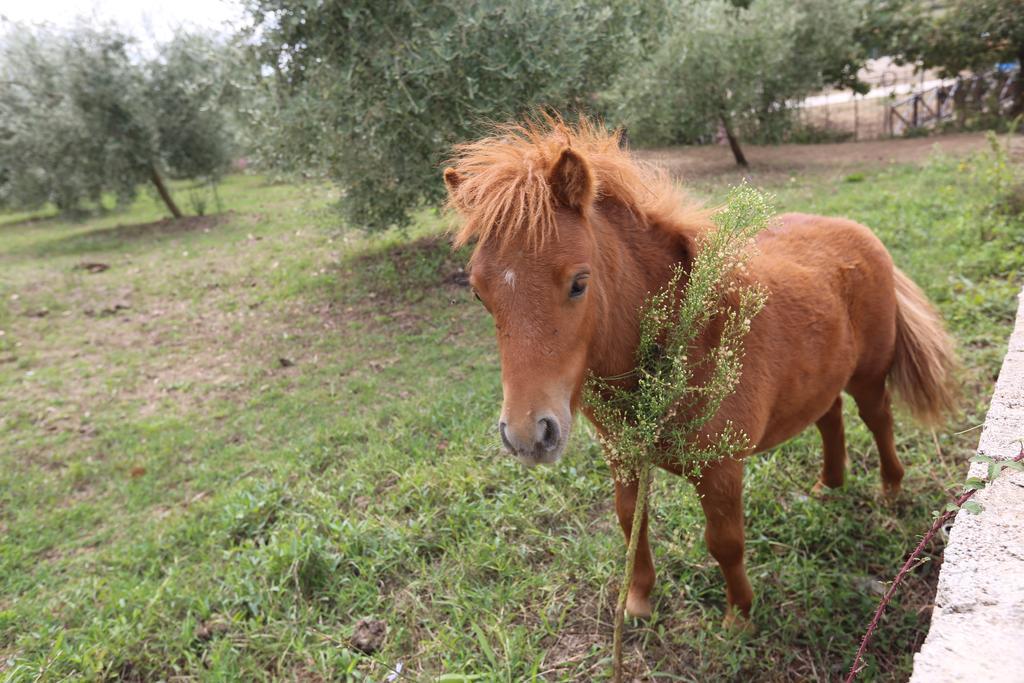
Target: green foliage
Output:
[(718, 63), (85, 82), (972, 506), (995, 176), (967, 34), (374, 94), (996, 467), (83, 114), (191, 91), (956, 36), (964, 35), (889, 26), (973, 484), (657, 415)]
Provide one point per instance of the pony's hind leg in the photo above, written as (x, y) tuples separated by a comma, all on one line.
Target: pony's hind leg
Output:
[(875, 408), (638, 601), (721, 495), (833, 439)]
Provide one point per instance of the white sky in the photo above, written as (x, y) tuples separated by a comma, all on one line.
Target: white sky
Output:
[(148, 20)]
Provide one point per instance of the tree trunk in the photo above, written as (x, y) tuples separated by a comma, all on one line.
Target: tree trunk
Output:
[(960, 102), (162, 189), (734, 144), (1017, 107)]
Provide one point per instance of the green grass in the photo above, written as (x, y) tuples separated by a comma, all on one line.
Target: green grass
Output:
[(177, 501)]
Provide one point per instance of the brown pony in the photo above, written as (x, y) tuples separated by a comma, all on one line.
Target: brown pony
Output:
[(572, 234)]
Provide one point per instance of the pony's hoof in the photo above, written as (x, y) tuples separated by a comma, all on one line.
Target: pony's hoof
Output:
[(735, 622), (891, 490), (637, 607), (822, 490)]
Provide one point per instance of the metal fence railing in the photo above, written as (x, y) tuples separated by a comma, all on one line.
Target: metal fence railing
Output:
[(902, 103)]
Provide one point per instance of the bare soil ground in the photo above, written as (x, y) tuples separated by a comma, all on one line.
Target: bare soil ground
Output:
[(766, 161)]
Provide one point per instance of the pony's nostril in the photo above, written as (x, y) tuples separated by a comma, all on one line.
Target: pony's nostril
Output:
[(549, 434), (546, 438), (504, 438)]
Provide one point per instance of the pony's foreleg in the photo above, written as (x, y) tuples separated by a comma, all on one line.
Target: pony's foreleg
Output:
[(721, 495), (875, 409), (833, 467), (638, 602)]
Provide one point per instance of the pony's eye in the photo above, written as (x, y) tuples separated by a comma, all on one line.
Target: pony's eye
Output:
[(477, 295), (579, 285)]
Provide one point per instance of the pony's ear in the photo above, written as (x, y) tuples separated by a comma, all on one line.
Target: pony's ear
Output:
[(452, 179), (571, 181)]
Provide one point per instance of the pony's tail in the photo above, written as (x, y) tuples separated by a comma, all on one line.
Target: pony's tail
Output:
[(924, 361)]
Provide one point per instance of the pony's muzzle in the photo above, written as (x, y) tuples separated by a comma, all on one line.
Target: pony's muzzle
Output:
[(541, 442)]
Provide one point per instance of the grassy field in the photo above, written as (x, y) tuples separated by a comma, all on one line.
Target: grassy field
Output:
[(253, 430)]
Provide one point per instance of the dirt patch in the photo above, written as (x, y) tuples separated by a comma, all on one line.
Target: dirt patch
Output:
[(433, 248), (106, 238), (712, 161), (388, 284), (92, 266), (427, 262), (458, 277), (168, 226), (369, 635), (572, 648), (62, 553), (212, 628)]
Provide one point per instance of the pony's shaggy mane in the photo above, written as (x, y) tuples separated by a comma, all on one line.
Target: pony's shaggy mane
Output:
[(504, 192)]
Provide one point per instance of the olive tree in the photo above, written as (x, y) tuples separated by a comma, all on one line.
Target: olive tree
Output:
[(192, 95), (735, 67), (84, 113), (374, 94), (965, 34), (973, 35)]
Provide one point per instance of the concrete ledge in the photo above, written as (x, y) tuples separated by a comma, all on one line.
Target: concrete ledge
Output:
[(977, 631)]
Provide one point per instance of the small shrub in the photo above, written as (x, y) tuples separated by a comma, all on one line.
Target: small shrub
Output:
[(916, 132), (1011, 202), (663, 408), (810, 134), (998, 184), (198, 202)]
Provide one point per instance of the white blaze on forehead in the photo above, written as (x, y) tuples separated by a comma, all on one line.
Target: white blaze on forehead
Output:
[(510, 278)]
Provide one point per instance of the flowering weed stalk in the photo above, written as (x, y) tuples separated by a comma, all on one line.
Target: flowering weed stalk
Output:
[(688, 361)]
